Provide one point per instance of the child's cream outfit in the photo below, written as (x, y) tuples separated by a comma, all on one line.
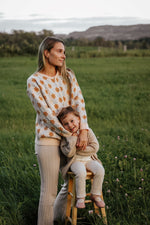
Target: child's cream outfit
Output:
[(79, 161)]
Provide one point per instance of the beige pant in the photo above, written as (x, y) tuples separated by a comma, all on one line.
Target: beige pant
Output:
[(49, 161), (61, 199), (80, 168)]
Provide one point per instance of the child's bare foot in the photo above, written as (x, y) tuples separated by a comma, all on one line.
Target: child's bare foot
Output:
[(80, 203), (98, 201)]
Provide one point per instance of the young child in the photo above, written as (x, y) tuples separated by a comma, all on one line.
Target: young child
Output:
[(79, 161)]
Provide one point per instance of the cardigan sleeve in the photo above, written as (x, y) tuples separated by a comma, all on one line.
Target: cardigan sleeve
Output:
[(46, 112), (92, 146), (68, 146), (77, 100)]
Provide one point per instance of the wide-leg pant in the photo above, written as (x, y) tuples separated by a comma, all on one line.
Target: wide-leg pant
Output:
[(79, 169), (49, 162)]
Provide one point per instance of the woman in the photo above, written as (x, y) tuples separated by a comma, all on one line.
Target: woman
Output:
[(50, 89)]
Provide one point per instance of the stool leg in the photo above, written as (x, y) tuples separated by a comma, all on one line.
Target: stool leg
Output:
[(74, 215), (69, 197), (96, 209), (103, 211), (104, 215)]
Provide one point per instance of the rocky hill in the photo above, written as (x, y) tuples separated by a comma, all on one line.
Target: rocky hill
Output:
[(108, 32)]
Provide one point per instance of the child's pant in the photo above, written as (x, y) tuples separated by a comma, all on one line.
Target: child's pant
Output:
[(49, 161), (80, 168)]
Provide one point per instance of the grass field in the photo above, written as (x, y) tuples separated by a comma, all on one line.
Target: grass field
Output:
[(117, 96)]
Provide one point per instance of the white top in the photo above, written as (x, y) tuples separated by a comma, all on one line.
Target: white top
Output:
[(48, 96)]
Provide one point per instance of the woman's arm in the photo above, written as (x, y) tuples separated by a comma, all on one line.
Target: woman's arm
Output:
[(77, 100), (92, 147), (82, 139)]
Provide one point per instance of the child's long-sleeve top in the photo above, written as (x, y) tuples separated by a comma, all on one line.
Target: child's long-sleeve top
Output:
[(70, 153), (48, 95)]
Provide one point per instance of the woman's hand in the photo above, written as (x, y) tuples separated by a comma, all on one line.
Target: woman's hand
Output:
[(74, 134), (82, 140)]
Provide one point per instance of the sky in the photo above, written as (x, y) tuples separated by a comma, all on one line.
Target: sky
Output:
[(66, 16)]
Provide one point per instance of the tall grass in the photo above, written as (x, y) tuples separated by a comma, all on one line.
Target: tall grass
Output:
[(117, 95)]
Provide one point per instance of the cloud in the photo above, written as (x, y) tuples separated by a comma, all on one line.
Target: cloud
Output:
[(64, 26)]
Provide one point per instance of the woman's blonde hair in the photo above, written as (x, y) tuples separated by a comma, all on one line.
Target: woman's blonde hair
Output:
[(47, 44)]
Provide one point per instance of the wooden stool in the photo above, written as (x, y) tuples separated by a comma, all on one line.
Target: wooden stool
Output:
[(71, 200)]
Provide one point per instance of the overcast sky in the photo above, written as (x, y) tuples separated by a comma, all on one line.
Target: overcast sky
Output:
[(65, 16)]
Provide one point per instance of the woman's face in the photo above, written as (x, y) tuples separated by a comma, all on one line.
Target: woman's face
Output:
[(56, 56)]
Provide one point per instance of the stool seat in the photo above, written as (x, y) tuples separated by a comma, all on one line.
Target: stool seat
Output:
[(71, 211)]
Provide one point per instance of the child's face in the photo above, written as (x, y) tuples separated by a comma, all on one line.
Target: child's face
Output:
[(71, 123)]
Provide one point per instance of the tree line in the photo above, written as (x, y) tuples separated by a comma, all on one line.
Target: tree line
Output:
[(143, 43), (20, 42)]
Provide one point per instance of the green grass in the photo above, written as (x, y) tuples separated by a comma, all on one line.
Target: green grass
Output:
[(117, 94)]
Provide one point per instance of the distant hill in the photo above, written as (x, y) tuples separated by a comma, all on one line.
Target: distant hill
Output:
[(108, 32)]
